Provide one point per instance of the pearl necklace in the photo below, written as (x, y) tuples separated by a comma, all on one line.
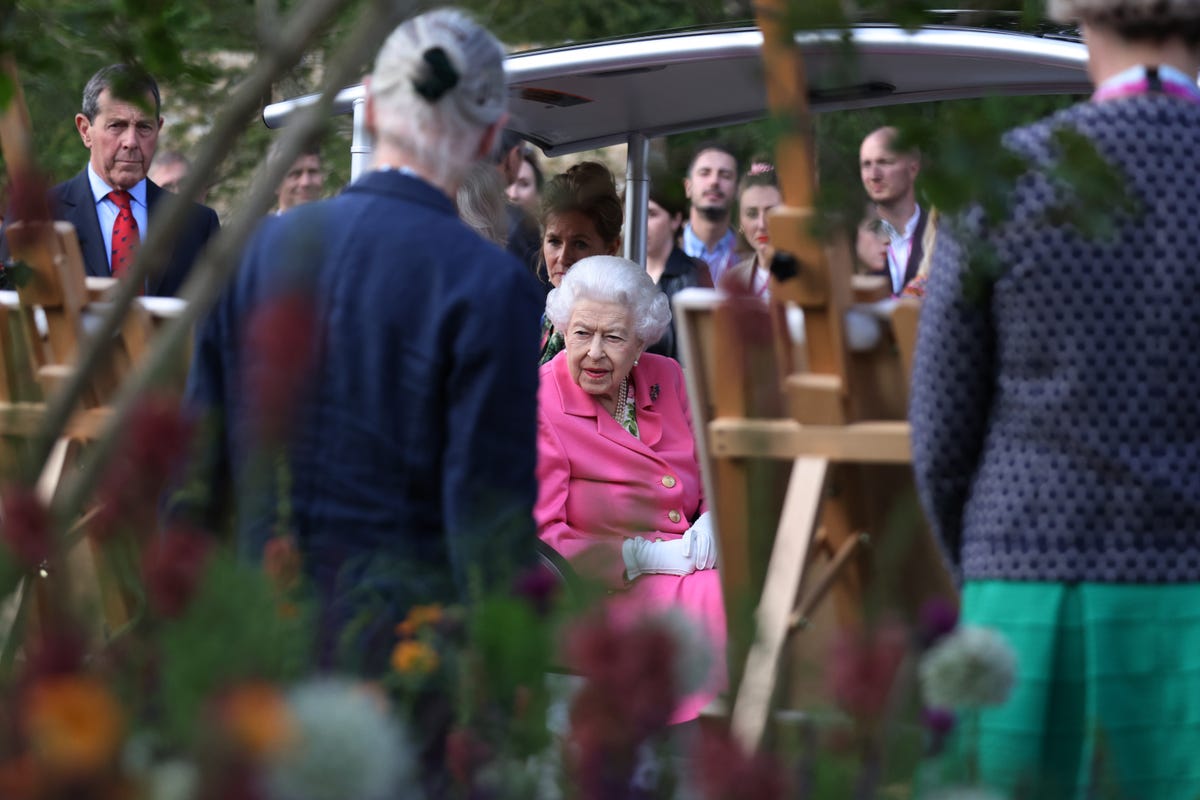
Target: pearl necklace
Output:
[(622, 402)]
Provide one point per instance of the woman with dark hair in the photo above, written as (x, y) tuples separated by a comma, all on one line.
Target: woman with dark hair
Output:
[(1056, 431), (670, 267), (526, 190), (581, 216)]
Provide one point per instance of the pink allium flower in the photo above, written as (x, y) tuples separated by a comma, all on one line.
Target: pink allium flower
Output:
[(25, 527), (280, 351), (729, 773), (172, 567), (862, 669), (139, 472), (539, 586)]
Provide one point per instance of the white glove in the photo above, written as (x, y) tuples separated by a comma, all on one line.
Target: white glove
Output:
[(665, 557), (700, 543)]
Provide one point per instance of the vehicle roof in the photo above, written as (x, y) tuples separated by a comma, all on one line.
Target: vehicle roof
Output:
[(581, 96)]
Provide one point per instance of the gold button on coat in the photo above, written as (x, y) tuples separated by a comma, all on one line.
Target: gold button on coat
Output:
[(668, 482), (674, 516)]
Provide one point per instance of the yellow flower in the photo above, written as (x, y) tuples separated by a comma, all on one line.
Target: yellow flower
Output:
[(74, 724), (414, 658), (256, 716), (418, 617)]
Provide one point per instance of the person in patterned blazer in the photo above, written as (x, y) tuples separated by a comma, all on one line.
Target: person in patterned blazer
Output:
[(1056, 428)]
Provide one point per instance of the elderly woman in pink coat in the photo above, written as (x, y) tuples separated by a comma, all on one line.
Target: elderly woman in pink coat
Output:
[(619, 491)]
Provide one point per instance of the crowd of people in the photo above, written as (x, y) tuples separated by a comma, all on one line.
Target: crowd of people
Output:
[(481, 369)]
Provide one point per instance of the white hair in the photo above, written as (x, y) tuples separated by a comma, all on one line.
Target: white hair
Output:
[(611, 279), (438, 84)]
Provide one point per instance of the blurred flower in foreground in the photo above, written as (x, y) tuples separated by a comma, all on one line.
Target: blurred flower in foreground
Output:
[(862, 669), (74, 725), (628, 695), (971, 668), (280, 351), (282, 563), (25, 526), (727, 772), (173, 566), (965, 793), (938, 722), (145, 462), (419, 617), (346, 747), (414, 659), (938, 617), (255, 715)]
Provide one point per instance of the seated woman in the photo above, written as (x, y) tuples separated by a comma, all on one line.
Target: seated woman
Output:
[(619, 491), (581, 216), (758, 193)]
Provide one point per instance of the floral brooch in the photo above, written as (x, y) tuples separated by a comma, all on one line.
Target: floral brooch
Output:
[(653, 392)]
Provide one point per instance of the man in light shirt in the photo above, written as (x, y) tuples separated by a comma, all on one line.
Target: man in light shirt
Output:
[(710, 185), (896, 239)]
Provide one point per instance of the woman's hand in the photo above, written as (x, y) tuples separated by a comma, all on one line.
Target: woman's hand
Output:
[(700, 543), (643, 556)]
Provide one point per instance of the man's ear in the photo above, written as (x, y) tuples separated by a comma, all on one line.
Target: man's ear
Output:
[(84, 126)]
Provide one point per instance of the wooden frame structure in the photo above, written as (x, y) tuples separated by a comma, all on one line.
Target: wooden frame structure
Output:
[(839, 424)]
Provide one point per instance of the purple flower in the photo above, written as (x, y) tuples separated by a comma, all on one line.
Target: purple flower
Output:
[(938, 617), (939, 722)]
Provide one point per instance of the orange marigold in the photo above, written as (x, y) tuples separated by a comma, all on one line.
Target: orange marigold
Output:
[(418, 617), (74, 724), (414, 658), (256, 717)]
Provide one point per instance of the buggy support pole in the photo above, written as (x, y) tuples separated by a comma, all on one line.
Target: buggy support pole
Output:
[(360, 141), (637, 196)]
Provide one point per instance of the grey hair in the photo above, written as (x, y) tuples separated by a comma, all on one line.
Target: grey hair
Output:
[(442, 132), (124, 82), (612, 279), (1152, 20), (481, 202)]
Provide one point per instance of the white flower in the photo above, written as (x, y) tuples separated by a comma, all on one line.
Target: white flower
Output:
[(970, 668), (345, 747)]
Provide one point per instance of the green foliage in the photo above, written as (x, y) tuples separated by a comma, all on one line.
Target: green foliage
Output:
[(235, 629)]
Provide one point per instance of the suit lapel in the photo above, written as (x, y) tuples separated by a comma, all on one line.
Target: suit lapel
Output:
[(916, 249), (579, 403), (79, 209), (154, 283)]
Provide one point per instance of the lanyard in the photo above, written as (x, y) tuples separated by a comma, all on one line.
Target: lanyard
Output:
[(1145, 80)]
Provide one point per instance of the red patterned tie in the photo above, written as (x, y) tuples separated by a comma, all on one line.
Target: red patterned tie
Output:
[(124, 234)]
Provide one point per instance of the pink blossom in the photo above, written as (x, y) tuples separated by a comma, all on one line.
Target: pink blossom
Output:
[(280, 351), (25, 528), (862, 669), (172, 567), (727, 772)]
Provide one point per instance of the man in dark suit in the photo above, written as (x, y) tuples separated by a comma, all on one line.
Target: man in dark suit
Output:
[(117, 126)]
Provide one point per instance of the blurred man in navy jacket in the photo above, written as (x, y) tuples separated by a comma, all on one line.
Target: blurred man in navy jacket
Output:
[(399, 348)]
